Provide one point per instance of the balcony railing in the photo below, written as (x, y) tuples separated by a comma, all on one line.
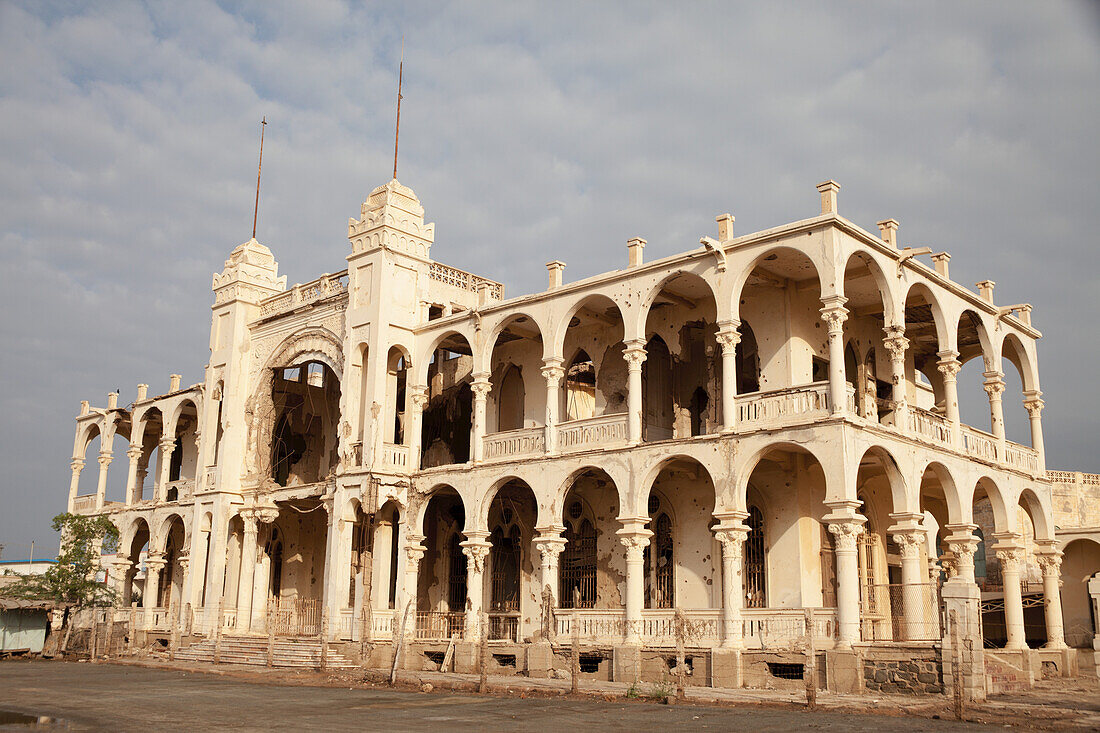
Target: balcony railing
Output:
[(979, 444), (930, 426), (464, 280), (520, 443), (439, 626), (699, 628), (783, 406), (84, 504), (785, 628), (773, 409), (381, 624), (593, 432), (180, 490), (323, 287), (395, 457), (1022, 457), (599, 626)]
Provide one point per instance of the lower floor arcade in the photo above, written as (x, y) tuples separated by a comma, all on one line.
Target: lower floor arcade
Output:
[(643, 548)]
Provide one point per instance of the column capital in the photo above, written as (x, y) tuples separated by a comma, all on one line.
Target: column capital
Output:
[(994, 384), (1050, 562), (834, 313), (105, 457), (419, 395), (552, 370), (76, 464), (732, 538), (154, 562), (634, 535), (895, 342), (1032, 403), (476, 551), (909, 541), (634, 353), (167, 443), (134, 452), (949, 364), (728, 336), (846, 532), (414, 549), (481, 386), (549, 542)]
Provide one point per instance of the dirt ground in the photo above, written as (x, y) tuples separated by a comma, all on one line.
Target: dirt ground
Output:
[(151, 694)]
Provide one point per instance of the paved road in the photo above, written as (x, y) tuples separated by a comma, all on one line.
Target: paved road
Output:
[(130, 698)]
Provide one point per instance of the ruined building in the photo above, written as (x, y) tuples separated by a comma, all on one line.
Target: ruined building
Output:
[(718, 450)]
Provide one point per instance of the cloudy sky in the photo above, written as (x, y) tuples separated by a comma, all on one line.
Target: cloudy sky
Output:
[(530, 132)]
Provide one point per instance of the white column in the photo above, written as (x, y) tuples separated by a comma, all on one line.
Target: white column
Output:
[(101, 486), (134, 454), (1011, 554), (728, 338), (635, 538), (949, 367), (149, 599), (1034, 407), (248, 571), (476, 550), (418, 400), (910, 537), (184, 560), (846, 527), (634, 353), (835, 314), (414, 553), (77, 465), (962, 544), (167, 446), (896, 343), (553, 373), (550, 545), (731, 533), (1051, 563), (994, 386), (481, 387)]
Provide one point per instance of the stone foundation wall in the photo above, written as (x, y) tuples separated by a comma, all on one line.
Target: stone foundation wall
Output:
[(912, 672)]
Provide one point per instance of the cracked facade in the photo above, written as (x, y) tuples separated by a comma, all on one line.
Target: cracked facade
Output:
[(718, 449)]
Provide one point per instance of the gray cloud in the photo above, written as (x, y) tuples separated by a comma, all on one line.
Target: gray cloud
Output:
[(530, 132)]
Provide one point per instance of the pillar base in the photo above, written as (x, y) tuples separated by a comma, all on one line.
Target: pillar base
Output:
[(466, 657), (844, 671), (725, 668), (626, 663), (540, 660)]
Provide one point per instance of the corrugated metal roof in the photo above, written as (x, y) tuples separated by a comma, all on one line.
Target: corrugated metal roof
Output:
[(16, 604)]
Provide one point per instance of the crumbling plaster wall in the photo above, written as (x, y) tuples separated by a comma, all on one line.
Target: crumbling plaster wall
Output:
[(688, 496)]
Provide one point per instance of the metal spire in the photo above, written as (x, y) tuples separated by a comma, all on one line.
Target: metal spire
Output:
[(256, 210), (397, 130)]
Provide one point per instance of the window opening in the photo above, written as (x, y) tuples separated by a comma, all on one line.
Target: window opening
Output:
[(755, 562)]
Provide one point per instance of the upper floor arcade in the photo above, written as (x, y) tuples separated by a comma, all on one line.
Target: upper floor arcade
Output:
[(400, 364)]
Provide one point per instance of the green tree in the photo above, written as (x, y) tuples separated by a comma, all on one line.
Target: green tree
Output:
[(71, 581)]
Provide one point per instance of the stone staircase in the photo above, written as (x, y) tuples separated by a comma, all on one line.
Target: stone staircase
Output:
[(288, 652)]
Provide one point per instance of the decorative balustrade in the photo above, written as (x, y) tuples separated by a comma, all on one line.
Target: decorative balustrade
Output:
[(381, 624), (520, 443), (463, 280), (345, 624), (439, 626), (229, 619), (323, 287), (156, 619), (84, 504), (930, 426), (606, 626), (296, 616), (1022, 457), (210, 478), (180, 490), (778, 406), (785, 628), (395, 456), (979, 444), (592, 432), (701, 628), (503, 627)]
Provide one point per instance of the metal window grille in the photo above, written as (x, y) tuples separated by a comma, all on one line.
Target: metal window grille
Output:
[(660, 561), (755, 562), (578, 566), (456, 578), (505, 557)]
